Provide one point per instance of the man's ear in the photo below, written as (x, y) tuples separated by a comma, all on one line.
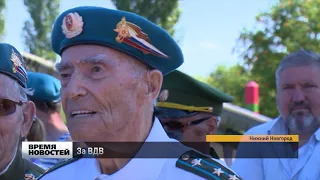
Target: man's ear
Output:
[(154, 83), (28, 115), (212, 125)]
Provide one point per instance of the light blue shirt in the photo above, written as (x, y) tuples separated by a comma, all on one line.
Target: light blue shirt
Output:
[(47, 163), (306, 167)]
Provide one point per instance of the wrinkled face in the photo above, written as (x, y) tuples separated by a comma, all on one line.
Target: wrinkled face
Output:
[(103, 94), (191, 132), (298, 98), (15, 125)]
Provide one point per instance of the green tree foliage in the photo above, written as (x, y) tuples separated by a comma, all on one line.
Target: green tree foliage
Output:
[(37, 30), (165, 13), (286, 27), (2, 19), (230, 80)]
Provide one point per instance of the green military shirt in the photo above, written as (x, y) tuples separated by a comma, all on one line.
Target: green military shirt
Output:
[(22, 169)]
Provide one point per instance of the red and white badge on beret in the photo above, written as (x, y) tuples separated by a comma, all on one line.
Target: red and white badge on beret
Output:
[(72, 25), (18, 65)]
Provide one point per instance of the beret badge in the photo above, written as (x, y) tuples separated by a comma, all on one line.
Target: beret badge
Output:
[(163, 96), (132, 35), (72, 25), (18, 65)]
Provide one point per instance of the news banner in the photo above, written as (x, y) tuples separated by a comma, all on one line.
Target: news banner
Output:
[(60, 150), (65, 150)]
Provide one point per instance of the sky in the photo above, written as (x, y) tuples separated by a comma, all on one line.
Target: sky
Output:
[(207, 30)]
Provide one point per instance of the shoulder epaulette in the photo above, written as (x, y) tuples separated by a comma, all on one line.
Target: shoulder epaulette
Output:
[(61, 164), (205, 167)]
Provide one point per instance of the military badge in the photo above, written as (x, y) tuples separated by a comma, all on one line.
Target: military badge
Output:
[(163, 96), (29, 177), (72, 25), (132, 35), (204, 166), (18, 65), (196, 162), (217, 171)]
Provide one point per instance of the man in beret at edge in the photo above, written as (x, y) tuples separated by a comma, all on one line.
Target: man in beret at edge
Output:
[(16, 116), (112, 65)]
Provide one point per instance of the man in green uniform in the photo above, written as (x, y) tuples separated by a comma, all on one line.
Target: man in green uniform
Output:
[(16, 116), (189, 110)]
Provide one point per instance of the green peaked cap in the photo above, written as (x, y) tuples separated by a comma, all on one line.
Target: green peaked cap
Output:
[(181, 91)]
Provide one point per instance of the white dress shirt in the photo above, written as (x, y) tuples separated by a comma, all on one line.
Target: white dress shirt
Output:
[(136, 169)]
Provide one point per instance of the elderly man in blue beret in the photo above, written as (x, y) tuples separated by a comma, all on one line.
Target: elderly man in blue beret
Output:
[(16, 115), (112, 65), (46, 97)]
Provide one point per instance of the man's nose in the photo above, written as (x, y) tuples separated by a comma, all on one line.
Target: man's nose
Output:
[(76, 87), (298, 95)]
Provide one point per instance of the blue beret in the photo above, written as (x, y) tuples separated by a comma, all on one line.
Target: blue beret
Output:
[(12, 64), (46, 87), (120, 30)]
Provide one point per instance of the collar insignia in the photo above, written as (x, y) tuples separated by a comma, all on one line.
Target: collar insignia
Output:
[(29, 177)]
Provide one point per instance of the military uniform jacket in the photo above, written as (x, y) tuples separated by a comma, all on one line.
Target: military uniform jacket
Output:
[(21, 169), (186, 167)]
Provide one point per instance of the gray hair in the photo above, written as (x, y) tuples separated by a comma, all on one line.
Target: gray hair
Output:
[(296, 59), (24, 92)]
